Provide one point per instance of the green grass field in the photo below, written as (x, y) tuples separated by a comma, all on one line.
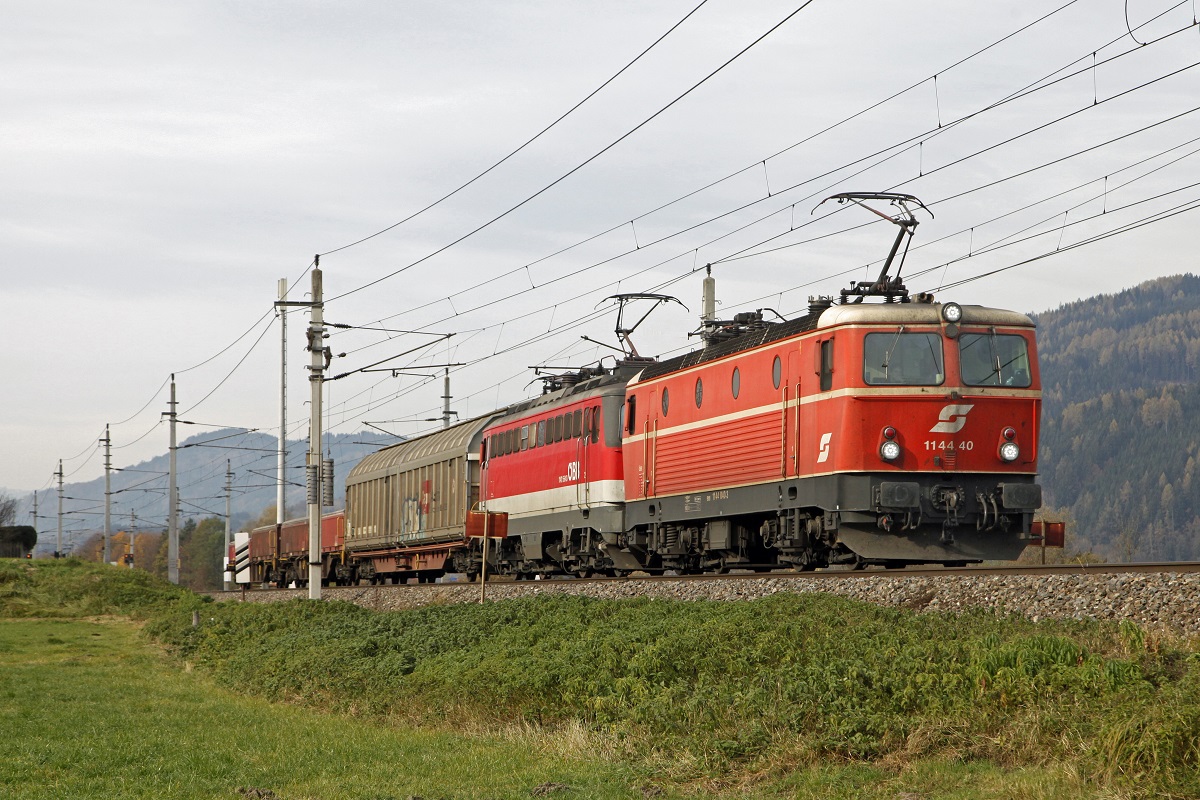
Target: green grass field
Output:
[(90, 710), (106, 690)]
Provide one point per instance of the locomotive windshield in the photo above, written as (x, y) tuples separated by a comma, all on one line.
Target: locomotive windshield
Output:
[(903, 359), (991, 359)]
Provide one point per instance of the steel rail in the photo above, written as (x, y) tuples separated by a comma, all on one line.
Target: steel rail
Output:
[(832, 573)]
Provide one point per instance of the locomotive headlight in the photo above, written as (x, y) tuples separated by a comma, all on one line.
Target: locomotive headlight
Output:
[(952, 312), (890, 450), (1009, 451)]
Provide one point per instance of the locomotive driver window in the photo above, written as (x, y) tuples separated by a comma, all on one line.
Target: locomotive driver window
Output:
[(900, 358), (991, 359)]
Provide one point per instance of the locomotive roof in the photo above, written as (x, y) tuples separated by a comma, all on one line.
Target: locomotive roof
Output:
[(772, 332), (917, 314), (846, 314), (457, 440), (592, 387)]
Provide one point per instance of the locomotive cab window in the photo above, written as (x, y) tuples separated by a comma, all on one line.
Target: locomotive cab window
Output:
[(903, 359), (992, 359), (826, 365)]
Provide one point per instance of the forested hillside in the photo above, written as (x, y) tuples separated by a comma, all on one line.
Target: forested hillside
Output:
[(1119, 446)]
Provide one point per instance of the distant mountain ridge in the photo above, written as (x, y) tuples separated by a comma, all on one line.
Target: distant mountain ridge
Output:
[(1118, 454), (142, 488)]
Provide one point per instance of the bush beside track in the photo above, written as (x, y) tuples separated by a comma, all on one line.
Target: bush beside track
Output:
[(71, 588), (733, 686)]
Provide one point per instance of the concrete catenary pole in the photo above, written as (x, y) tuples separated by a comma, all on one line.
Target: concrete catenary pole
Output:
[(35, 514), (228, 512), (173, 501), (132, 522), (446, 399), (107, 441), (316, 344), (281, 477), (58, 551)]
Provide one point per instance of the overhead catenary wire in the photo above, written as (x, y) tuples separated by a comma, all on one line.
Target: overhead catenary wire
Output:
[(720, 260), (527, 142), (751, 251), (583, 164), (894, 150), (1191, 205), (734, 174), (787, 149)]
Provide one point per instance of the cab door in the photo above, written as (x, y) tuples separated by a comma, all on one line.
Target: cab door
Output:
[(791, 412), (583, 449), (650, 441), (817, 441)]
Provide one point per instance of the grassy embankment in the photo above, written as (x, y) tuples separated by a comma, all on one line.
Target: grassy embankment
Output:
[(789, 696)]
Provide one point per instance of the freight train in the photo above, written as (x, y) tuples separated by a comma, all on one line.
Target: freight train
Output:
[(893, 432)]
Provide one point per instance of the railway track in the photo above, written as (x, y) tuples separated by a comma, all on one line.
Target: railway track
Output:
[(821, 574), (1162, 596)]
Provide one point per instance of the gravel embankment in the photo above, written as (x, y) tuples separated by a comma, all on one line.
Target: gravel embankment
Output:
[(1165, 600)]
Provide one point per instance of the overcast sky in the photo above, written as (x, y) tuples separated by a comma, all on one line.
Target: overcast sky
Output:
[(163, 165)]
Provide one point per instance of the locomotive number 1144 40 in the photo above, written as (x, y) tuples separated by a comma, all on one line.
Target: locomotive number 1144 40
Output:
[(948, 444)]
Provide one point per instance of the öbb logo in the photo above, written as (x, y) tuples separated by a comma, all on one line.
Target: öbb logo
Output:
[(824, 451), (952, 418)]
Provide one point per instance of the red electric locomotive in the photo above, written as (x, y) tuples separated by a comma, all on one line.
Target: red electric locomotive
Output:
[(888, 433), (885, 433), (553, 464)]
